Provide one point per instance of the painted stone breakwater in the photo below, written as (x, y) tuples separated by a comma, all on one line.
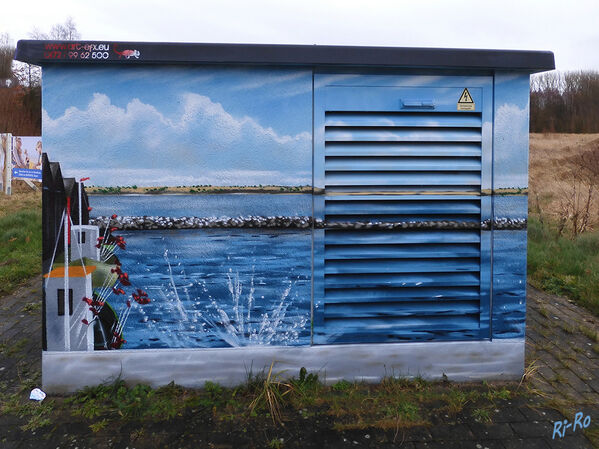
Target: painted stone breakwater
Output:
[(130, 223)]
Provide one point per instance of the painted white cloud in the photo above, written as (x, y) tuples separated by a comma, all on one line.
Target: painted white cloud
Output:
[(268, 79), (511, 146), (200, 141)]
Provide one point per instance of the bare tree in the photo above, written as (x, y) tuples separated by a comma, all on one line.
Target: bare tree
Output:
[(66, 31), (31, 75), (580, 188), (565, 102), (7, 51), (20, 93)]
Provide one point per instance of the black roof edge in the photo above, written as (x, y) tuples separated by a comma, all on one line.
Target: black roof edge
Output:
[(42, 52), (69, 186)]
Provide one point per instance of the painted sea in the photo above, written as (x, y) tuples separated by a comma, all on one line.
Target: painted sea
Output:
[(222, 287), (215, 287), (210, 205)]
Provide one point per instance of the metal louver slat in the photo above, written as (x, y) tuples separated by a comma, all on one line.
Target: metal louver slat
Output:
[(404, 119), (389, 149), (412, 134), (401, 245)]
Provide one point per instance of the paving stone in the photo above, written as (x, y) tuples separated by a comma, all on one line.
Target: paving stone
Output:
[(528, 443), (489, 444), (546, 372), (594, 384), (9, 444), (507, 414), (14, 334), (593, 412), (591, 398), (498, 431), (450, 432), (570, 442), (584, 370), (534, 429), (574, 381), (6, 324), (406, 445), (549, 359), (563, 313), (542, 385), (570, 393), (418, 434)]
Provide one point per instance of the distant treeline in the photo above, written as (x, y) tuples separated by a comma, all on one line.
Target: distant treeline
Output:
[(20, 94), (21, 110), (566, 102)]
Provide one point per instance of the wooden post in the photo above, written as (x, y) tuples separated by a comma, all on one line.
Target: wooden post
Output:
[(67, 308), (2, 163), (6, 148), (30, 184)]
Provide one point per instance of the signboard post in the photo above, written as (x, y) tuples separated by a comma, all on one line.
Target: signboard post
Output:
[(6, 153), (20, 158)]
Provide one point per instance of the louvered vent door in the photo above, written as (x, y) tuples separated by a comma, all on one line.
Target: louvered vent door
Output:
[(400, 254)]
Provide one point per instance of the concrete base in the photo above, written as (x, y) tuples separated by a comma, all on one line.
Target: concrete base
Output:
[(65, 372)]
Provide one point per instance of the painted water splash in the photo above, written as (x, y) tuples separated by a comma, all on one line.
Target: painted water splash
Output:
[(242, 319), (244, 328)]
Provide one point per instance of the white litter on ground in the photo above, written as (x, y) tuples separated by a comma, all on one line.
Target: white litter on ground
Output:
[(37, 395)]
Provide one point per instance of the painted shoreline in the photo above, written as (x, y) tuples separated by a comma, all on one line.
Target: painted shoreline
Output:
[(272, 189), (196, 189), (134, 223)]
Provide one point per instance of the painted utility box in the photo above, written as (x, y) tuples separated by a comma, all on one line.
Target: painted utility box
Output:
[(356, 211)]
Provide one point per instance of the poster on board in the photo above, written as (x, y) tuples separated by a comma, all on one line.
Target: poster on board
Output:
[(27, 157)]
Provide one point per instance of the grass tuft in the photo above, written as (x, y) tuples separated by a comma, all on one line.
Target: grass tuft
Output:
[(564, 266), (270, 396)]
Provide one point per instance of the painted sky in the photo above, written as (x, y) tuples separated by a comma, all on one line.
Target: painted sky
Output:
[(179, 125), (567, 28), (511, 132)]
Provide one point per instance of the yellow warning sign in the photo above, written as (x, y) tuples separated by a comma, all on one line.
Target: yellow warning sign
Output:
[(466, 103)]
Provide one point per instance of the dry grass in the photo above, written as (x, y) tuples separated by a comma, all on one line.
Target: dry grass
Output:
[(270, 396), (546, 169), (22, 198), (529, 372)]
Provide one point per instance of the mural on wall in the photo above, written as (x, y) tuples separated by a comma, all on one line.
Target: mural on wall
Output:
[(510, 196), (199, 232)]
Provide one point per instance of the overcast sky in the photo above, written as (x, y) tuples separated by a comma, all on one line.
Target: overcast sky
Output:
[(569, 29)]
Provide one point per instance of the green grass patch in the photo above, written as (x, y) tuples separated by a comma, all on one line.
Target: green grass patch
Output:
[(564, 266), (121, 402), (264, 404), (20, 247)]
